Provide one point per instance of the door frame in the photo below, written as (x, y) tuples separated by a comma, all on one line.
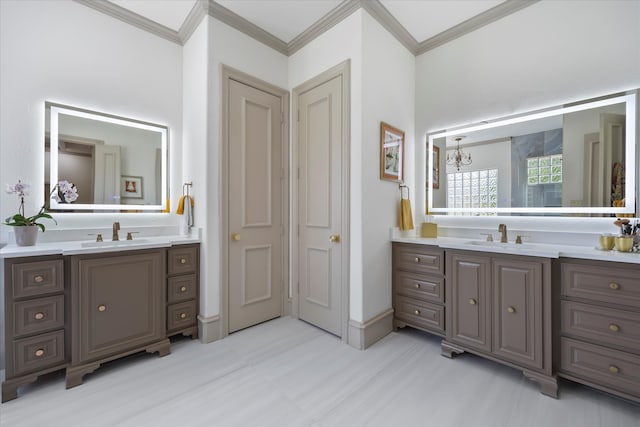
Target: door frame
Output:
[(228, 74), (343, 69)]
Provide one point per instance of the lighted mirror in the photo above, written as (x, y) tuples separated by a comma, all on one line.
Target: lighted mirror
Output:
[(114, 163), (579, 158)]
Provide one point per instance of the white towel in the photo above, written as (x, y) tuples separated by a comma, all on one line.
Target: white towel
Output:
[(187, 217)]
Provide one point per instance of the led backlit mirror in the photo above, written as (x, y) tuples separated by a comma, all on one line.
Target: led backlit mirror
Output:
[(579, 158), (115, 163)]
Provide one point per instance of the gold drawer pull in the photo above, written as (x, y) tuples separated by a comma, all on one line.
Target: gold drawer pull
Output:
[(416, 312), (183, 315), (613, 327), (39, 352), (102, 307), (38, 279), (511, 310), (183, 289), (614, 369), (183, 260), (417, 285), (39, 315), (417, 259), (472, 301), (614, 286)]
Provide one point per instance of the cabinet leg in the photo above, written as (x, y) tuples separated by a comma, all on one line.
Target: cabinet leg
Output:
[(448, 350), (548, 384), (10, 387), (75, 374), (162, 347)]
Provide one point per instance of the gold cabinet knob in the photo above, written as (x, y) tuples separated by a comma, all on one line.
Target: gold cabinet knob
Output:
[(334, 238), (417, 285), (614, 286), (416, 312), (183, 289), (38, 279), (613, 327), (417, 259), (235, 237), (183, 315), (183, 260), (614, 369), (511, 309), (102, 307), (39, 315), (39, 352), (472, 301)]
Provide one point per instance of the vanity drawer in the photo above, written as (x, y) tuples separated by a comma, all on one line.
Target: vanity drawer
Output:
[(38, 315), (420, 314), (38, 352), (422, 286), (607, 325), (611, 368), (183, 260), (37, 278), (181, 315), (181, 288), (419, 258), (616, 285)]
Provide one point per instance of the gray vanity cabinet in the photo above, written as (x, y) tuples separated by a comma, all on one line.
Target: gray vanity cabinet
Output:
[(35, 322), (118, 308), (499, 307), (600, 325), (182, 290)]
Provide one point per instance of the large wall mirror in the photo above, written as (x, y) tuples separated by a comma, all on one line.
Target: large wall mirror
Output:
[(114, 163), (574, 159)]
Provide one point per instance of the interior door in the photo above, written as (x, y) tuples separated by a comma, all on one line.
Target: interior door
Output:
[(107, 174), (320, 187), (255, 206)]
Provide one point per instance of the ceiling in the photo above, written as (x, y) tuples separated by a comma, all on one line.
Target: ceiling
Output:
[(287, 19)]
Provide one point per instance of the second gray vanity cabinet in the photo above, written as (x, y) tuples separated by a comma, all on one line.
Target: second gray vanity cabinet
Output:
[(499, 307), (182, 290), (118, 308)]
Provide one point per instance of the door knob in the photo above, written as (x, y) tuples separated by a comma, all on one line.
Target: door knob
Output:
[(334, 238), (235, 237)]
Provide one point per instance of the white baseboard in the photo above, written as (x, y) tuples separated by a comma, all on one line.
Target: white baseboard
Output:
[(209, 329)]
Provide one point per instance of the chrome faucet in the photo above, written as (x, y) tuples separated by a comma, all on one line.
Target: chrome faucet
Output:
[(116, 228), (502, 228)]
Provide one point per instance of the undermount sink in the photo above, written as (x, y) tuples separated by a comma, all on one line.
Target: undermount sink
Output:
[(510, 245), (107, 244)]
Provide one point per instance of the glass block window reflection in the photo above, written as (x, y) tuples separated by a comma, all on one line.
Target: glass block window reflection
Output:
[(544, 170), (474, 189)]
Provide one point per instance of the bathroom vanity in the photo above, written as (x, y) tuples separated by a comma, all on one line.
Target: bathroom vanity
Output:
[(79, 308), (547, 312)]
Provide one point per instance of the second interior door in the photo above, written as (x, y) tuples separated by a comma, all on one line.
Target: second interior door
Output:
[(255, 206)]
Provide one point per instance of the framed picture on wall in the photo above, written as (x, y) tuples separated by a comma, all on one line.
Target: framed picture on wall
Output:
[(436, 168), (131, 187), (391, 153)]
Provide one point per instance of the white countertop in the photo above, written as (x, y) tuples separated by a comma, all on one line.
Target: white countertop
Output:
[(528, 249), (90, 246)]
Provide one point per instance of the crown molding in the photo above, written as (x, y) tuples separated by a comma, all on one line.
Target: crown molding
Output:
[(194, 18), (391, 24), (474, 23), (223, 14), (132, 18), (375, 8), (335, 16)]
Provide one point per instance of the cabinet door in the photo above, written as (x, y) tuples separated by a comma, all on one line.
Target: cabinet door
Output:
[(118, 303), (517, 308), (469, 319)]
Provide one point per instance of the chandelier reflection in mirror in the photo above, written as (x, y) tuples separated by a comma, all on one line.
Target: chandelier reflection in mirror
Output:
[(458, 158)]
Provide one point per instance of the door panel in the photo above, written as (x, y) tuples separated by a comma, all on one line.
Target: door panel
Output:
[(320, 189), (255, 200), (106, 174)]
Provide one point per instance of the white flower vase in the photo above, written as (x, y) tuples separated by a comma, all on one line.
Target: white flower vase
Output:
[(26, 235)]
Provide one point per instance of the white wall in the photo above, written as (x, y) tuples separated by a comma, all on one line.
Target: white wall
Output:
[(547, 54), (65, 52), (388, 94)]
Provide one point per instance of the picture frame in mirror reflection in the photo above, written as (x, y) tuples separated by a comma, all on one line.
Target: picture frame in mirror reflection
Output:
[(391, 153), (131, 187)]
